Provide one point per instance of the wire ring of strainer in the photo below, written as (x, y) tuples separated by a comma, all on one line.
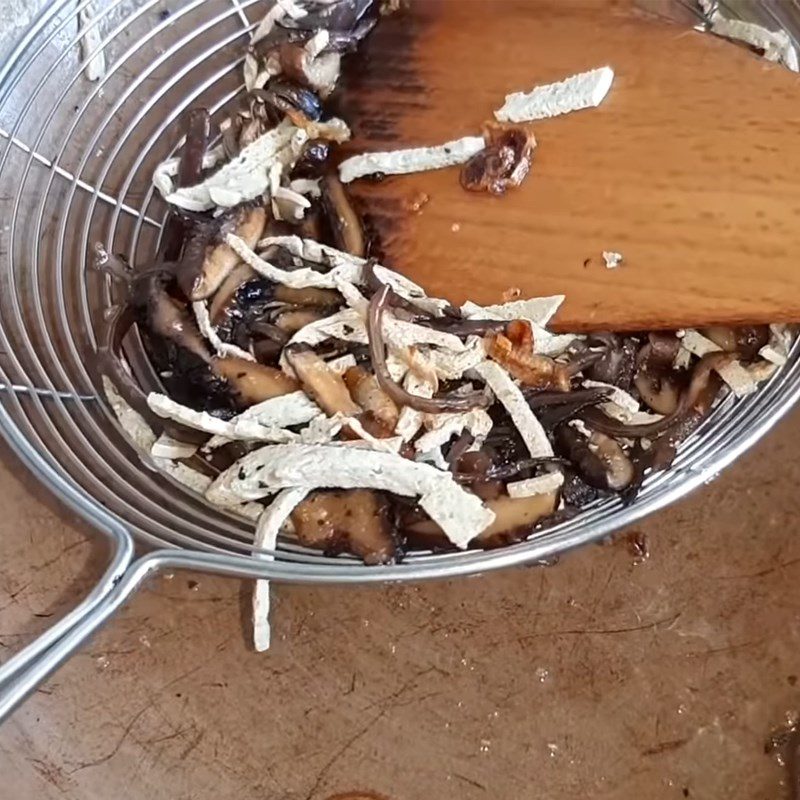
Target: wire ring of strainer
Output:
[(75, 165)]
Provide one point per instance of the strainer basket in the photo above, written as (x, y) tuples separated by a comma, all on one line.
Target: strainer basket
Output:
[(75, 165)]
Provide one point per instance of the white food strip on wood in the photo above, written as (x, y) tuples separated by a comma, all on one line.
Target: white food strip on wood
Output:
[(167, 447), (269, 525), (415, 159), (460, 514), (248, 175), (507, 392), (612, 259), (90, 43), (542, 484), (585, 90), (222, 349)]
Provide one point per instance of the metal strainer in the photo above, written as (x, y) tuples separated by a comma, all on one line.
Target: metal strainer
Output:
[(75, 165)]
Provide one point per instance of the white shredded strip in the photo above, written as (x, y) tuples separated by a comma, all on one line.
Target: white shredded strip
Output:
[(780, 343), (410, 420), (266, 538), (222, 349), (246, 176), (537, 310), (445, 426), (415, 159), (90, 43), (130, 420), (542, 484), (507, 392), (460, 514), (612, 259), (167, 447), (585, 90)]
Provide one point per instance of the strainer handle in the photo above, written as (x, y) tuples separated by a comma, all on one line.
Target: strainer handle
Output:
[(91, 618), (13, 670)]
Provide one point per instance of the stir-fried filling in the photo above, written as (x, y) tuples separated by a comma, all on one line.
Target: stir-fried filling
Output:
[(292, 376)]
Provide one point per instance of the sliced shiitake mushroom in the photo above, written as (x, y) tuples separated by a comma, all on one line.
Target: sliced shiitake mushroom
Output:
[(251, 382), (515, 520), (354, 521), (321, 383), (308, 296), (344, 222), (367, 393), (660, 392), (293, 319), (617, 363), (225, 296), (598, 458), (746, 341), (208, 261)]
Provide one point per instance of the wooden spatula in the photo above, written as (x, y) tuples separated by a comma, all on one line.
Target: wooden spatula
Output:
[(690, 168)]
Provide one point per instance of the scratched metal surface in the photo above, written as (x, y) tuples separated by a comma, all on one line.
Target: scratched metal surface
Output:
[(598, 677)]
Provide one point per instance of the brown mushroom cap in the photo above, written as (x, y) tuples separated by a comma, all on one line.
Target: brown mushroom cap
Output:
[(321, 383)]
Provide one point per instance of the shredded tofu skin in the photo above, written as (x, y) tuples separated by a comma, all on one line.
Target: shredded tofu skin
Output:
[(586, 90), (416, 159), (460, 514), (508, 393), (269, 526)]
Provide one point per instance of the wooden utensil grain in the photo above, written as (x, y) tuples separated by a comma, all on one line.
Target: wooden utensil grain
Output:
[(689, 168)]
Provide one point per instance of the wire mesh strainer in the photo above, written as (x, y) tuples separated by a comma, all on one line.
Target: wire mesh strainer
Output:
[(75, 165)]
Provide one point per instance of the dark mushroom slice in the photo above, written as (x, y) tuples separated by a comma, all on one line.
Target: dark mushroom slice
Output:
[(703, 387), (504, 161), (313, 159), (251, 382), (515, 520), (354, 521), (745, 341), (321, 383), (207, 261), (660, 392), (164, 316), (367, 393), (308, 296), (198, 129), (344, 222), (617, 363), (597, 458), (289, 98), (292, 320), (473, 469), (225, 297)]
